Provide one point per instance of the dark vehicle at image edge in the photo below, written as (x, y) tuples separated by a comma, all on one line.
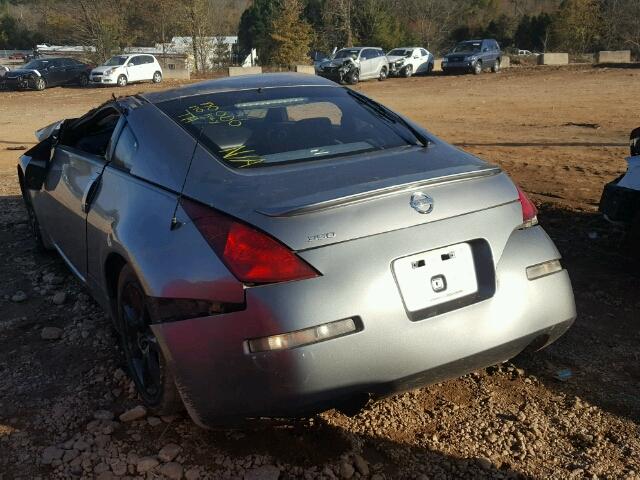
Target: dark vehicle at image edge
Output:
[(278, 245), (620, 201), (47, 72), (473, 56)]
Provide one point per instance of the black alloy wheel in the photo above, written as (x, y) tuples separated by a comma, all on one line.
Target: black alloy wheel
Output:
[(147, 367)]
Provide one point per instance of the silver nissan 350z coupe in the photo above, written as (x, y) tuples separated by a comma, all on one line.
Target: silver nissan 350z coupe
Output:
[(278, 245)]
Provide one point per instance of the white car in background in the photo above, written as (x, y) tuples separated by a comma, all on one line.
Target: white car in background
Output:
[(407, 61), (123, 69)]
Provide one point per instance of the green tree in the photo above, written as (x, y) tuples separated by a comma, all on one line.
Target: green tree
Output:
[(291, 34), (337, 16), (577, 24), (255, 29), (376, 24), (533, 32)]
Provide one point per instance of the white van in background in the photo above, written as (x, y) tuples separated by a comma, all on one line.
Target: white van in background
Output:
[(123, 69)]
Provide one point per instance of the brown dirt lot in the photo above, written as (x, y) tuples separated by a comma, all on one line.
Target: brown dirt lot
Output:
[(508, 421)]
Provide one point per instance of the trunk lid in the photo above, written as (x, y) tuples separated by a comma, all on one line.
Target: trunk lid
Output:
[(313, 204)]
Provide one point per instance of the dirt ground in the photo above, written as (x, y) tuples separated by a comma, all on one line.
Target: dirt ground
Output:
[(562, 133)]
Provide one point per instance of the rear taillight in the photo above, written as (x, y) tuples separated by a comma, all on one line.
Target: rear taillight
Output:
[(529, 210), (251, 255)]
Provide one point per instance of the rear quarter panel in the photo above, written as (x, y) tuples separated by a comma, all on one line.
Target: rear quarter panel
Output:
[(132, 219)]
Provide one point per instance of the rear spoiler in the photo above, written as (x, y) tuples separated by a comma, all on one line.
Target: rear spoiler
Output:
[(293, 210)]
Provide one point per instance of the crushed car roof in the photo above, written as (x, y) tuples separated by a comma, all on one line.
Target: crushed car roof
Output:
[(243, 82)]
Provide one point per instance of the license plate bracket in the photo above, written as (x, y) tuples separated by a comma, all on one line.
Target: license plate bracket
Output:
[(429, 279)]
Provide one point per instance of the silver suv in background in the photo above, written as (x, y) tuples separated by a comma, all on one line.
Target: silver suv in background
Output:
[(350, 65)]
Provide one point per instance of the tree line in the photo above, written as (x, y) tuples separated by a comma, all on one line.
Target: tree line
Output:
[(285, 31), (574, 26)]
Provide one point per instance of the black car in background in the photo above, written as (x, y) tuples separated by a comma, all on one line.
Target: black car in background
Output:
[(620, 201), (473, 56), (47, 72)]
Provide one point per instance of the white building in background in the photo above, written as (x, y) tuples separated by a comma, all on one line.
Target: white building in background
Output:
[(208, 46)]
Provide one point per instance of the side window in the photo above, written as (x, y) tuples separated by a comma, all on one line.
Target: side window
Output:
[(126, 148), (93, 134), (423, 52), (133, 61), (150, 59)]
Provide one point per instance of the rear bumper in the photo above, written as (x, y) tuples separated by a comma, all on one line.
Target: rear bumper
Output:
[(222, 382), (619, 204)]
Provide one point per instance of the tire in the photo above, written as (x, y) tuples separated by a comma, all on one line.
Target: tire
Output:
[(146, 364), (84, 81), (34, 226), (39, 84), (477, 67), (353, 78), (383, 74), (157, 77), (407, 72), (495, 68), (429, 69), (122, 81)]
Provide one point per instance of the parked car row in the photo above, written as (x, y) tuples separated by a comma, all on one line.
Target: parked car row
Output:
[(50, 72), (350, 65)]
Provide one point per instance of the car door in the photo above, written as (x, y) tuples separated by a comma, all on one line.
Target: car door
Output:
[(149, 67), (496, 50), (423, 59), (379, 58), (69, 71), (73, 178), (54, 73), (133, 69), (366, 64), (488, 55)]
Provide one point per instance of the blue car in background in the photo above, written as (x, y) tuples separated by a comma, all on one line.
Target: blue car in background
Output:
[(473, 56)]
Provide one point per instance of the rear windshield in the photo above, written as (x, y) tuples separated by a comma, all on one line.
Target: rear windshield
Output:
[(273, 126)]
